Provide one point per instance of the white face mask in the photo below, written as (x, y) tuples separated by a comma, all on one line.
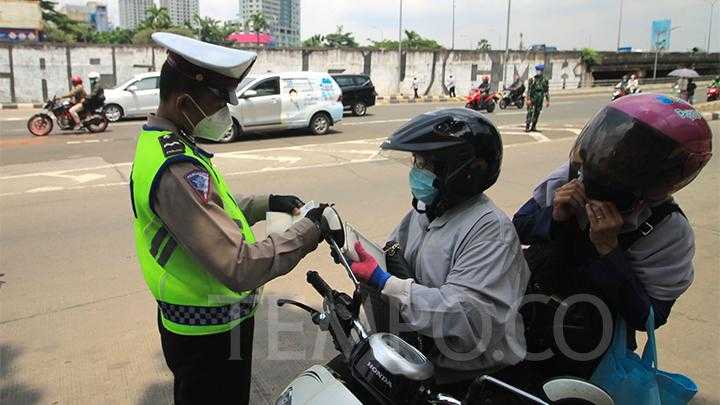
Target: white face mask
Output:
[(212, 127)]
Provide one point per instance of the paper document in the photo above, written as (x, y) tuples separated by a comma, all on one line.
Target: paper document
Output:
[(352, 235)]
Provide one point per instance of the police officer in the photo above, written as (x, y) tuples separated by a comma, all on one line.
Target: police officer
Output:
[(196, 249), (537, 90)]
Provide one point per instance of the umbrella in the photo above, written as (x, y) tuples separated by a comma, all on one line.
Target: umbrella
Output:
[(684, 73)]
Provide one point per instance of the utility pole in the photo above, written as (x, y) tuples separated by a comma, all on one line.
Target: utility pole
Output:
[(712, 6), (658, 48), (452, 46), (507, 44), (619, 26), (400, 49)]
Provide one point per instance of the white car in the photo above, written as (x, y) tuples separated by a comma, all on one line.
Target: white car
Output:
[(276, 101), (136, 97)]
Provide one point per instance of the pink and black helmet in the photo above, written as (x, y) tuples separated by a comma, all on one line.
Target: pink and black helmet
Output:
[(643, 146)]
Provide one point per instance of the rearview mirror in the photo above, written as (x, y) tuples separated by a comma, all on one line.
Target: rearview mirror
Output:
[(132, 89), (250, 93)]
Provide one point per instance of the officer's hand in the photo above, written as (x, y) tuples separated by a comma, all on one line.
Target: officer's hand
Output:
[(605, 223), (288, 204), (529, 102), (568, 199), (547, 103)]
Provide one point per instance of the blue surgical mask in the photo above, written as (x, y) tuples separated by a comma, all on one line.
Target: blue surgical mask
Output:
[(421, 185)]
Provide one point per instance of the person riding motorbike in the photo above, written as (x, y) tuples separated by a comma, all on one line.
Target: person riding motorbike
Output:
[(455, 267), (716, 82), (517, 88), (76, 95), (633, 84), (623, 85), (484, 87), (605, 224)]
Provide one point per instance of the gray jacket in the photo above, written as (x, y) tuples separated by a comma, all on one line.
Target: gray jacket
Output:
[(470, 272)]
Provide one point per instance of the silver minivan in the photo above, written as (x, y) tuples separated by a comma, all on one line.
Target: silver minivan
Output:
[(277, 101)]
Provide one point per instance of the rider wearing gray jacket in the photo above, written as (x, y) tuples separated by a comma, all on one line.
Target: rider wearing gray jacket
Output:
[(455, 266)]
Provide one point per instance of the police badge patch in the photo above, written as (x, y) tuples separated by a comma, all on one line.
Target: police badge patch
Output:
[(199, 180)]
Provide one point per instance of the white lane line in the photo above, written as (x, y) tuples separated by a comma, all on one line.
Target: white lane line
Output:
[(13, 119), (538, 137), (374, 122), (241, 173)]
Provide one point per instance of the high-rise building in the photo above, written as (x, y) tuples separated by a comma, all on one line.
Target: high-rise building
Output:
[(132, 12), (92, 13), (20, 20), (180, 10), (283, 17)]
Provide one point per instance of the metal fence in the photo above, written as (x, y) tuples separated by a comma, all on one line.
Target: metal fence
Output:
[(646, 81)]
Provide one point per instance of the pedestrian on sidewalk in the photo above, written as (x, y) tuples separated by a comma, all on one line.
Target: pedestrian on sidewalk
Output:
[(537, 90), (415, 86), (194, 240), (451, 86), (691, 86)]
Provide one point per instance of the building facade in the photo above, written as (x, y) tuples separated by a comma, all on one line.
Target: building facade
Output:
[(132, 12), (180, 10), (20, 20), (93, 13), (283, 17)]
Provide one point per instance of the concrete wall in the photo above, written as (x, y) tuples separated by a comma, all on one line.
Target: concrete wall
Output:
[(117, 64)]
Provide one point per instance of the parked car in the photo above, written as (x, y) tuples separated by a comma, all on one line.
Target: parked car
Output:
[(290, 100), (136, 97), (358, 92)]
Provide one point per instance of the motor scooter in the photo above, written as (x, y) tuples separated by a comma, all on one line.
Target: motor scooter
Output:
[(389, 370), (713, 93)]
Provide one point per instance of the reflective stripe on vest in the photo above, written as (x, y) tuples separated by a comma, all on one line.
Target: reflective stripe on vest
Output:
[(191, 301)]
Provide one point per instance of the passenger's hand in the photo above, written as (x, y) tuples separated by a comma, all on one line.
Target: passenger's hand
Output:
[(568, 199), (605, 224), (288, 204), (367, 269)]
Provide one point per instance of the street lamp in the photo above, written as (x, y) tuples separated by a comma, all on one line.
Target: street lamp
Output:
[(657, 48), (452, 45), (619, 26), (507, 44), (399, 48), (712, 6)]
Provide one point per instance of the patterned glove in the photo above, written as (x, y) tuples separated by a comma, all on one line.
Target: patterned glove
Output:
[(367, 269)]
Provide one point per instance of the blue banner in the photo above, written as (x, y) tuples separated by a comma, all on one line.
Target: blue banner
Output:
[(660, 34)]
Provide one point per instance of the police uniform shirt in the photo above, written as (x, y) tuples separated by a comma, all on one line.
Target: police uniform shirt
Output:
[(201, 226)]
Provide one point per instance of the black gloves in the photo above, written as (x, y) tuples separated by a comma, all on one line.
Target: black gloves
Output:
[(396, 263), (284, 203)]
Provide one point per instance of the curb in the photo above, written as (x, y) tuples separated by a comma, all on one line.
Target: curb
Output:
[(17, 106), (424, 99), (711, 116)]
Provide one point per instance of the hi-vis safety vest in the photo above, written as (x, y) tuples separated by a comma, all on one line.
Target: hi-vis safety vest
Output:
[(191, 300)]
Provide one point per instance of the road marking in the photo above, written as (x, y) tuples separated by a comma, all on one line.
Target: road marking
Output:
[(88, 141), (83, 178), (538, 137), (281, 159), (374, 122)]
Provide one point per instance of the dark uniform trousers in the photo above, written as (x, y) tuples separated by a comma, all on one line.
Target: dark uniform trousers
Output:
[(210, 369)]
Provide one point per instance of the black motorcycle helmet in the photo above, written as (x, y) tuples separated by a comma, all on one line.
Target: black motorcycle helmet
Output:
[(463, 146)]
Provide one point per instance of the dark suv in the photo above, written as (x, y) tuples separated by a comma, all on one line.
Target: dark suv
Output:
[(358, 92)]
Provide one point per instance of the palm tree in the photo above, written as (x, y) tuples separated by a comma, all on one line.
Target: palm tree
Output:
[(157, 18), (258, 23)]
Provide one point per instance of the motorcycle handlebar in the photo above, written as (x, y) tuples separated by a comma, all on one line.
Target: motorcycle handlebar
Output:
[(318, 283)]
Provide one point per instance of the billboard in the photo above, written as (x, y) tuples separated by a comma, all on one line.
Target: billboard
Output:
[(660, 34)]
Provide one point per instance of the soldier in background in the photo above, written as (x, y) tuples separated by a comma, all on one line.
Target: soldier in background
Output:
[(537, 90)]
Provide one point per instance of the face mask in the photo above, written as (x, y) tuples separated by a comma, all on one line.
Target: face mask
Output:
[(212, 127), (421, 185)]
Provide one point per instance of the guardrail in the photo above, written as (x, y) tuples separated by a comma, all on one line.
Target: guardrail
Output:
[(644, 81)]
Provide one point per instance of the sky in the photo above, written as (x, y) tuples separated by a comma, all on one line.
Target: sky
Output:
[(566, 24)]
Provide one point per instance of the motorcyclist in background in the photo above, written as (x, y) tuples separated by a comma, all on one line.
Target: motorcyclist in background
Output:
[(633, 84), (76, 95), (517, 87), (608, 225), (484, 87), (623, 85), (455, 267), (716, 82)]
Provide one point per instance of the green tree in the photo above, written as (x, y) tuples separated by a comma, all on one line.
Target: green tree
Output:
[(412, 40), (156, 18), (208, 29), (315, 41), (258, 24), (340, 39), (143, 36), (590, 57), (484, 45)]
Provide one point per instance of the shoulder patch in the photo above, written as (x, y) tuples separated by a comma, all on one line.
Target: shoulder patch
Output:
[(199, 180), (171, 145)]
